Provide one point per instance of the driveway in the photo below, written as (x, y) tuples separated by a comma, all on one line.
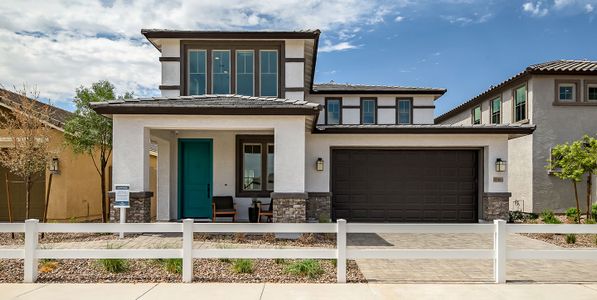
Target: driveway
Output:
[(426, 270)]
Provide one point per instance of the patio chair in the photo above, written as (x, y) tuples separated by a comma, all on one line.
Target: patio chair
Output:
[(269, 213), (223, 206)]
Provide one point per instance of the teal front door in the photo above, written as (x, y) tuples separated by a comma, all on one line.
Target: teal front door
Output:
[(195, 178)]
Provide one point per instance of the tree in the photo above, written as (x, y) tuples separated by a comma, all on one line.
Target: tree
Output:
[(90, 133), (29, 134), (588, 147)]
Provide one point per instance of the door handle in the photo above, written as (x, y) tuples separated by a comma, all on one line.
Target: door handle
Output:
[(208, 193)]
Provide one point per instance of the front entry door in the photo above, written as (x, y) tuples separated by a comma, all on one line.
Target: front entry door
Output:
[(195, 178)]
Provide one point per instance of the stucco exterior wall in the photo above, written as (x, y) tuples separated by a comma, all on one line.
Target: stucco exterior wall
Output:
[(520, 166)]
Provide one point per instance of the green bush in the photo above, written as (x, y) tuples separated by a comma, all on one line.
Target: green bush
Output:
[(520, 216), (594, 211), (572, 214), (173, 265), (590, 221), (308, 267), (114, 265), (571, 238), (549, 217), (243, 266)]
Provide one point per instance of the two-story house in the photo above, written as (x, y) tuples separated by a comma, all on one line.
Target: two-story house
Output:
[(240, 116), (560, 98)]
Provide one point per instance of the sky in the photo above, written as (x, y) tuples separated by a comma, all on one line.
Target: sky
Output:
[(465, 46)]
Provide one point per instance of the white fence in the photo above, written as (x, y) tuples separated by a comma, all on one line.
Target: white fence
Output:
[(499, 254)]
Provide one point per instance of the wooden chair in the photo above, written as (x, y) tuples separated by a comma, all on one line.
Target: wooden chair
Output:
[(269, 213), (223, 206)]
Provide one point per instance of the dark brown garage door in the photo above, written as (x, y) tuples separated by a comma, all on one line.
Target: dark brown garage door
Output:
[(404, 185)]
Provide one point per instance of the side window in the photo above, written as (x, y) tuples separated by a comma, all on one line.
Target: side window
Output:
[(520, 103), (268, 81), (197, 79), (333, 110), (496, 111), (476, 115), (591, 91), (404, 111)]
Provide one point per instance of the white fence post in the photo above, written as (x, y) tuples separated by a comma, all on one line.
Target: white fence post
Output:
[(341, 251), (499, 248), (31, 240), (187, 250)]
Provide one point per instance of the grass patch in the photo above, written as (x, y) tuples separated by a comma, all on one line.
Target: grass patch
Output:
[(309, 268), (279, 261), (171, 265), (47, 265), (549, 217), (571, 238), (113, 265), (242, 266)]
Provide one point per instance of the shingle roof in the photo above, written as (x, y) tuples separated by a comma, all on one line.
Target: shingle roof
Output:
[(259, 34), (514, 129), (58, 116), (207, 104), (563, 67), (347, 88)]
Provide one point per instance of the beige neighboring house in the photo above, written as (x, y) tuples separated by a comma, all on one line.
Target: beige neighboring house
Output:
[(75, 190), (560, 99)]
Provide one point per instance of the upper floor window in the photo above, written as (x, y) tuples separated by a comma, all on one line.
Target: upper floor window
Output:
[(269, 72), (591, 91), (333, 110), (220, 72), (476, 115), (404, 111), (567, 92), (368, 110), (496, 111), (197, 79), (520, 103), (245, 72)]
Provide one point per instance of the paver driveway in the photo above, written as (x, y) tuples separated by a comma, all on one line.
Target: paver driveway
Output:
[(426, 270)]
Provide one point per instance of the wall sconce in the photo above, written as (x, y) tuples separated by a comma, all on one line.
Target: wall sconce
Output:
[(319, 164), (500, 165), (54, 166)]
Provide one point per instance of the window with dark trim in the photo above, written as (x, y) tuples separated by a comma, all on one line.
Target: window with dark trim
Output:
[(269, 73), (591, 90), (255, 165), (368, 110), (496, 110), (404, 110), (197, 79), (245, 74), (220, 72), (476, 115), (520, 103), (333, 111)]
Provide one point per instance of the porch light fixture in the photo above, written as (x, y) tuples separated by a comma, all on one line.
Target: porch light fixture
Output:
[(319, 164), (54, 166), (500, 165)]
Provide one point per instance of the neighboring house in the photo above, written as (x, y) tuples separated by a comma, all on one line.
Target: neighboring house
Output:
[(560, 98), (240, 116)]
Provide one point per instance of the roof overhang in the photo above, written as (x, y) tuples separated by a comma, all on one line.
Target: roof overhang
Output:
[(190, 110)]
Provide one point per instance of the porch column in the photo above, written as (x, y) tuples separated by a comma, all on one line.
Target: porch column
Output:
[(495, 197), (289, 168)]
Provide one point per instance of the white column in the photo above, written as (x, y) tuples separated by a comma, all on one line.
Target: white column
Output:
[(289, 161), (30, 264), (130, 154), (497, 148), (163, 186)]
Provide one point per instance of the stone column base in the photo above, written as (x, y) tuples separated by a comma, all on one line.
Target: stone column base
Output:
[(139, 212), (495, 206), (289, 207), (319, 207)]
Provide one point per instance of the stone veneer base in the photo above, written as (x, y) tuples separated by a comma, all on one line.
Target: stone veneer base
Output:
[(139, 211), (496, 206)]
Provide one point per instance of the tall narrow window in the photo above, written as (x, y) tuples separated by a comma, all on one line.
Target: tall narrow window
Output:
[(368, 109), (476, 115), (520, 103), (255, 165), (332, 111), (244, 72), (220, 72), (251, 167), (197, 72), (268, 68), (404, 111), (496, 111), (270, 167)]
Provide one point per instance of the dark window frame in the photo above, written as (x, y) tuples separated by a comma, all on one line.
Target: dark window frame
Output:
[(232, 46), (339, 99), (480, 115), (411, 113), (264, 140), (589, 84), (235, 74), (363, 99), (492, 112), (526, 104)]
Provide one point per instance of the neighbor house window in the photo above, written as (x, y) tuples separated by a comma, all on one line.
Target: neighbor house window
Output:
[(245, 72), (476, 115), (333, 109), (255, 163), (520, 103), (496, 111), (197, 79), (591, 91), (220, 72), (567, 92), (368, 111), (268, 62), (404, 111)]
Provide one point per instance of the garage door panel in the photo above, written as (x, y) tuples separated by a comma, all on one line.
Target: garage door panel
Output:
[(404, 185)]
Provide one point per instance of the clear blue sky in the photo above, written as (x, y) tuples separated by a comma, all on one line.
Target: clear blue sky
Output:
[(462, 45)]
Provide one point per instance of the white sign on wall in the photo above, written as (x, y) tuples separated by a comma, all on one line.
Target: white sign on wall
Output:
[(122, 195)]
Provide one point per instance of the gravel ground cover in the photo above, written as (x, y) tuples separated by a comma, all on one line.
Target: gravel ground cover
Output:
[(582, 240), (19, 238)]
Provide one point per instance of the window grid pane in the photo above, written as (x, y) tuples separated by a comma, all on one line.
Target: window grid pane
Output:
[(404, 110), (244, 73), (368, 111), (251, 167), (268, 63), (520, 103), (566, 92), (496, 111), (333, 111), (270, 167), (592, 93), (477, 115), (197, 69), (221, 72)]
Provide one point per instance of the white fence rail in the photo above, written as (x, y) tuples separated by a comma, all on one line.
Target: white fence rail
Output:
[(499, 253)]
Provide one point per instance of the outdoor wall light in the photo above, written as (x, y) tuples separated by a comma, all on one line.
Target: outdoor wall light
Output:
[(55, 166), (319, 164), (500, 165)]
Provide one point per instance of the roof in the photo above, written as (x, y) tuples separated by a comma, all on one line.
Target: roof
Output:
[(511, 129), (347, 88), (556, 67), (208, 105), (12, 100)]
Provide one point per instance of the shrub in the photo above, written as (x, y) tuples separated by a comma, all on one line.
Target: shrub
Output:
[(114, 265), (573, 214), (308, 267), (47, 265), (520, 216), (243, 266), (173, 265), (549, 217), (279, 261), (594, 211), (590, 221), (571, 238)]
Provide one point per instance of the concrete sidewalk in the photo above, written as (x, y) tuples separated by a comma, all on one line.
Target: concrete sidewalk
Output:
[(249, 291)]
